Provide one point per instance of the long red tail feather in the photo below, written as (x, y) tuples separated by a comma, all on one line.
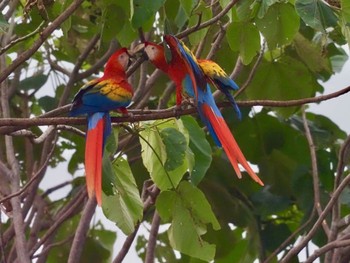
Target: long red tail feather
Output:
[(229, 143), (93, 160)]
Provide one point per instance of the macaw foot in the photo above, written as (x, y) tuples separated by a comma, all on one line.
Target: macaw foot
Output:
[(125, 113), (177, 111), (185, 104)]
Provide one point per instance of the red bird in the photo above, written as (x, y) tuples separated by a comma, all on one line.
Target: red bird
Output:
[(183, 68), (96, 98)]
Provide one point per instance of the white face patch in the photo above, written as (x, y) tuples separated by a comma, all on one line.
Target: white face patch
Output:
[(152, 52), (123, 60)]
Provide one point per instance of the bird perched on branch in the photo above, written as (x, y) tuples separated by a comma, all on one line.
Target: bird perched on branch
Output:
[(212, 71), (186, 71), (95, 99)]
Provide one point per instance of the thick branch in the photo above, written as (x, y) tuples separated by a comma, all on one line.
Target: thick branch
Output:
[(143, 115)]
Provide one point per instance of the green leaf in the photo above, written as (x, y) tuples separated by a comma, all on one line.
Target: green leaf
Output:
[(273, 235), (189, 213), (279, 25), (312, 54), (245, 38), (246, 10), (316, 14), (345, 9), (200, 147), (34, 82), (155, 153), (109, 27), (283, 79), (47, 103), (175, 146), (338, 57), (98, 246), (126, 35), (188, 6), (143, 11), (345, 29), (266, 203), (265, 4), (198, 35), (124, 206)]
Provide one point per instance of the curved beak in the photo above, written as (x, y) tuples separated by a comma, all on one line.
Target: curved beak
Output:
[(138, 49)]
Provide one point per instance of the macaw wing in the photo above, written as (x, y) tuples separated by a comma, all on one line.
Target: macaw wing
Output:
[(100, 96), (218, 77)]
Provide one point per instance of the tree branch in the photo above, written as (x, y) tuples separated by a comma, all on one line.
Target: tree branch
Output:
[(143, 115), (327, 247), (150, 252), (315, 176), (208, 22), (81, 232)]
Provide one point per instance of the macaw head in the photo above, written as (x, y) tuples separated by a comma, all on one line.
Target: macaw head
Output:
[(153, 52), (119, 61)]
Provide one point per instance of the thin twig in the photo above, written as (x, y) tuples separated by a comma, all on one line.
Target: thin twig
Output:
[(72, 206), (126, 246), (208, 22), (32, 179), (253, 71), (295, 250), (79, 62), (56, 244), (291, 237), (17, 40), (81, 232), (332, 245), (315, 175)]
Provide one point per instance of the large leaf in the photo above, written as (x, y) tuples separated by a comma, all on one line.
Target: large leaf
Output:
[(143, 11), (34, 82), (124, 206), (283, 79), (245, 38), (163, 152), (279, 25), (113, 20), (188, 6), (200, 147), (265, 4), (189, 213), (345, 10), (312, 55), (316, 14), (98, 246), (205, 14)]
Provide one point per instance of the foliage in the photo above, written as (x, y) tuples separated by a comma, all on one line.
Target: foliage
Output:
[(276, 50)]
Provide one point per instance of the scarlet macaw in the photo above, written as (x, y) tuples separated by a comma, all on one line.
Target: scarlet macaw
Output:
[(96, 98), (212, 71), (184, 69)]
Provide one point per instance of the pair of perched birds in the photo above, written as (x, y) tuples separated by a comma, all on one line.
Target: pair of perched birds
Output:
[(113, 92)]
